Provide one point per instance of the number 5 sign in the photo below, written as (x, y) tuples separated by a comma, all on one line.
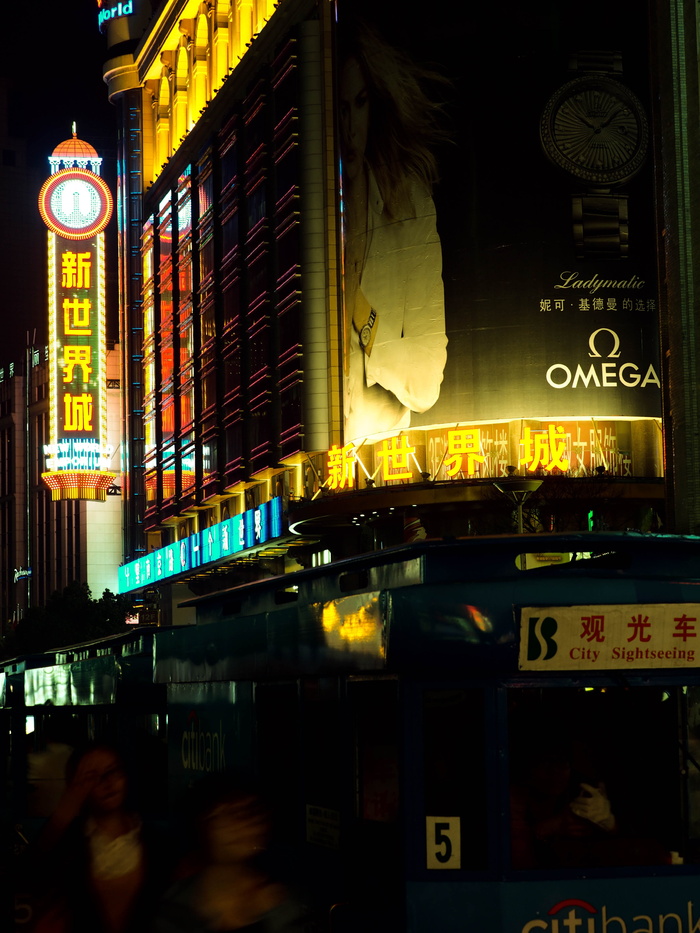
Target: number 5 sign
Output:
[(443, 842)]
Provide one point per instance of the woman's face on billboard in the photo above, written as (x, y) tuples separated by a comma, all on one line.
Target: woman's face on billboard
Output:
[(354, 118)]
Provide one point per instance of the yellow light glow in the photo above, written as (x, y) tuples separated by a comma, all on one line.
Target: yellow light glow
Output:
[(102, 341), (53, 340), (353, 620), (78, 484)]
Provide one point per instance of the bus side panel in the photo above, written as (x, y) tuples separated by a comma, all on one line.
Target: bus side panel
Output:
[(623, 905), (210, 728)]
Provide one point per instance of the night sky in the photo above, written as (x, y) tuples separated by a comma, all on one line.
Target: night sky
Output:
[(55, 74), (51, 75)]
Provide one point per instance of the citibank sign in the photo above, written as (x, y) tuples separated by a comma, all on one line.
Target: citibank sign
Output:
[(109, 11)]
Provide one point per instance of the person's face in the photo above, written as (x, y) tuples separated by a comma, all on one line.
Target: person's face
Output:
[(550, 776), (106, 774), (354, 118)]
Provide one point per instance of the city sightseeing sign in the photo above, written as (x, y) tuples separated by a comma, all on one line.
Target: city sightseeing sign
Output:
[(609, 637)]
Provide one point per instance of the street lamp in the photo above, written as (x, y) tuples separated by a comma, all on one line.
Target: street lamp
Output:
[(518, 489)]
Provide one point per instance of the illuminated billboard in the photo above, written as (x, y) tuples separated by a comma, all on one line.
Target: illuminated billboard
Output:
[(76, 205), (110, 11), (213, 545), (499, 247)]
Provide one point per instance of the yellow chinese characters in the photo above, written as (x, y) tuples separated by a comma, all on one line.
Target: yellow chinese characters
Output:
[(461, 443), (77, 412), (341, 467), (544, 449), (77, 363), (80, 357), (76, 270), (394, 458), (76, 317)]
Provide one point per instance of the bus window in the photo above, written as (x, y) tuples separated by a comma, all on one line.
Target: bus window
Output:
[(322, 760), (375, 714), (594, 777), (693, 771), (454, 769), (279, 749), (50, 743), (373, 845)]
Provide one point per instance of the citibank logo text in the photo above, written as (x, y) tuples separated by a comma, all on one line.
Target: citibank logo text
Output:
[(203, 748), (577, 916)]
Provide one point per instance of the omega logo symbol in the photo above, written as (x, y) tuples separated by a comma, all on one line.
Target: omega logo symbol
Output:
[(609, 375), (615, 352)]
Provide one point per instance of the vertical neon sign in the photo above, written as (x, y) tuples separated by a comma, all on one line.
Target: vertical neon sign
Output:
[(75, 203)]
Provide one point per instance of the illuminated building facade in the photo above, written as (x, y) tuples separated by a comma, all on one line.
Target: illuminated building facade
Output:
[(371, 317), (216, 254)]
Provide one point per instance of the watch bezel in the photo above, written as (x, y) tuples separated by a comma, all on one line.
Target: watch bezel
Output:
[(55, 225), (604, 177)]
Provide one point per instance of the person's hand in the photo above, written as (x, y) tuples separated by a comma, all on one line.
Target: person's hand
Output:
[(592, 804), (71, 803), (78, 790)]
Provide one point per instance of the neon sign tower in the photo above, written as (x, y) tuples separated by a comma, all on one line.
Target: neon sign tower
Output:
[(75, 203)]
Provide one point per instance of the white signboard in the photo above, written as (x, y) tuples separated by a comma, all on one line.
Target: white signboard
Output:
[(595, 638)]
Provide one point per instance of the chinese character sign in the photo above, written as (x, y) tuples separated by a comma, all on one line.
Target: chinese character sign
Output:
[(216, 543), (597, 638), (77, 355), (75, 203)]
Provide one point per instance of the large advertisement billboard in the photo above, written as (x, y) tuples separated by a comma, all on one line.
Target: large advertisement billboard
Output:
[(499, 248)]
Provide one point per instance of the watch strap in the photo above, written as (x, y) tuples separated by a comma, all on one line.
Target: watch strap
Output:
[(601, 226), (598, 61), (600, 220)]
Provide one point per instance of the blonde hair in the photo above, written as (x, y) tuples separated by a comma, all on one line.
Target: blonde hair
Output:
[(405, 124)]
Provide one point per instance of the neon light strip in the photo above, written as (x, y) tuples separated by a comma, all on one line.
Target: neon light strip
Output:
[(53, 342), (226, 539), (102, 340)]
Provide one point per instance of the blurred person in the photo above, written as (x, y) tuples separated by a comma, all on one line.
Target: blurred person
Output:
[(98, 866), (226, 884), (394, 306), (46, 769), (560, 817)]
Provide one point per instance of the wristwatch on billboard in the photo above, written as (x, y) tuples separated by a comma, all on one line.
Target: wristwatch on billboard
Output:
[(366, 332), (595, 129)]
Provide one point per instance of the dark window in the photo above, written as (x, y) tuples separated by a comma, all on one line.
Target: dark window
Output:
[(582, 765), (454, 773)]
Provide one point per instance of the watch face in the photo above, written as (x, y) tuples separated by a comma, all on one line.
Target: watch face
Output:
[(365, 334), (595, 129), (75, 203)]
